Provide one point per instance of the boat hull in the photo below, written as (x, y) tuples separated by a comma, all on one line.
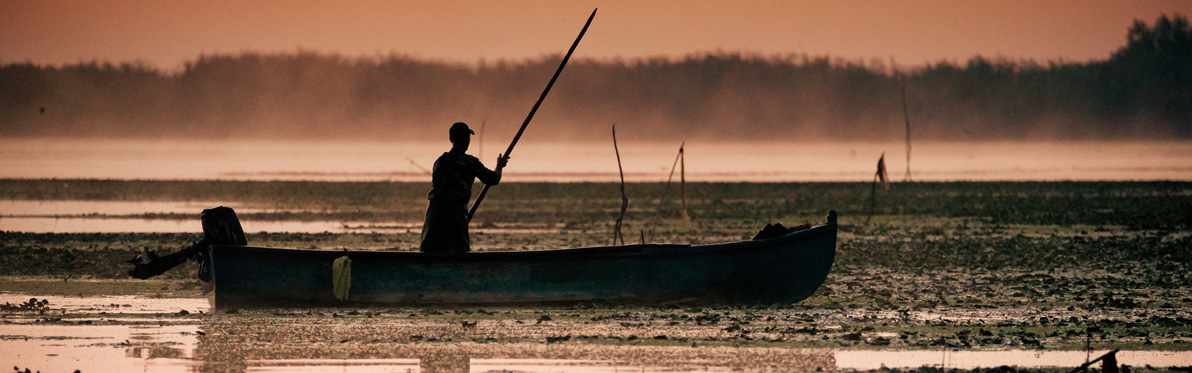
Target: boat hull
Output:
[(784, 269)]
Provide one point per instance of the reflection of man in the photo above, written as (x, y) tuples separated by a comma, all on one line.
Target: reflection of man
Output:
[(443, 361), (446, 226)]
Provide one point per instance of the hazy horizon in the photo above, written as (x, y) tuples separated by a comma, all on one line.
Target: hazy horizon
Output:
[(539, 160)]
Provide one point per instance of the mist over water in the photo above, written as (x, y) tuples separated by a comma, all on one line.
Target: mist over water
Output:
[(594, 161), (1136, 94)]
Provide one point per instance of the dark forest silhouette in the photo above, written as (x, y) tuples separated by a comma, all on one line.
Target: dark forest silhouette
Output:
[(1140, 92)]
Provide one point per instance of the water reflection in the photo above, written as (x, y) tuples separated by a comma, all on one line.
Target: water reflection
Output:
[(113, 225), (71, 216), (109, 225), (456, 363), (855, 360), (60, 208), (119, 348), (74, 216), (172, 335), (446, 361), (523, 357), (863, 360), (344, 365), (110, 333)]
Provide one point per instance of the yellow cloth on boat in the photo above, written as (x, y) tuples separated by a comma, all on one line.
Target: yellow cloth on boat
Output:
[(341, 277)]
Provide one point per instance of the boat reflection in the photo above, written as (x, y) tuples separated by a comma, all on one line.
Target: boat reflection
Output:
[(133, 333)]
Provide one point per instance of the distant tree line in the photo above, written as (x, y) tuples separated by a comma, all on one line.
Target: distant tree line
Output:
[(1143, 91)]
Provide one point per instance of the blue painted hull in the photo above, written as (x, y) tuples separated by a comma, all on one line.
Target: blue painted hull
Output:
[(779, 270)]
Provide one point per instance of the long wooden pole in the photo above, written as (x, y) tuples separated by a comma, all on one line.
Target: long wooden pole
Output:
[(533, 110)]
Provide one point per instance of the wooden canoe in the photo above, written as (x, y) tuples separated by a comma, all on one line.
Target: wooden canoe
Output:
[(779, 270)]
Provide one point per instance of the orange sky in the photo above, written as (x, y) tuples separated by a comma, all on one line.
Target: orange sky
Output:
[(167, 33)]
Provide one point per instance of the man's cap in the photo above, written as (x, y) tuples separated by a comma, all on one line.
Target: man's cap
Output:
[(460, 128)]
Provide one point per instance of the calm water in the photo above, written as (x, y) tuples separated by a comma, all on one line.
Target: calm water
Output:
[(652, 162), (136, 333), (73, 216), (565, 162)]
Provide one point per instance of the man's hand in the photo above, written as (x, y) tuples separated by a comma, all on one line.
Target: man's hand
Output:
[(502, 161)]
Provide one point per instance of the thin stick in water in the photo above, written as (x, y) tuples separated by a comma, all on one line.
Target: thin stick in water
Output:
[(907, 118), (683, 183), (661, 197), (624, 199), (881, 176)]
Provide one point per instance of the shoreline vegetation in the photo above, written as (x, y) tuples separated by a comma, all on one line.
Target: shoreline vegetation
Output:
[(1140, 92), (959, 265)]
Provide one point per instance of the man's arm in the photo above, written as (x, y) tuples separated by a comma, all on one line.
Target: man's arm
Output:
[(491, 177)]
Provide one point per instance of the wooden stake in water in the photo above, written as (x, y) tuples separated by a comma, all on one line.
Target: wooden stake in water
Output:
[(624, 199), (683, 183), (881, 176), (907, 118), (662, 197)]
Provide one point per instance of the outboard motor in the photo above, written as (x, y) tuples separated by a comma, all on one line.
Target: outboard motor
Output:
[(220, 227)]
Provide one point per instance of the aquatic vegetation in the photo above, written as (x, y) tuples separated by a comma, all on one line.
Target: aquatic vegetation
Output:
[(975, 266), (31, 305)]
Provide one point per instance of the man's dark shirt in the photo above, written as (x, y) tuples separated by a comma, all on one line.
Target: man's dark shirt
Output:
[(446, 226), (453, 176)]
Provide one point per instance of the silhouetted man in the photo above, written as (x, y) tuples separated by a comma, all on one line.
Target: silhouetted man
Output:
[(446, 226)]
